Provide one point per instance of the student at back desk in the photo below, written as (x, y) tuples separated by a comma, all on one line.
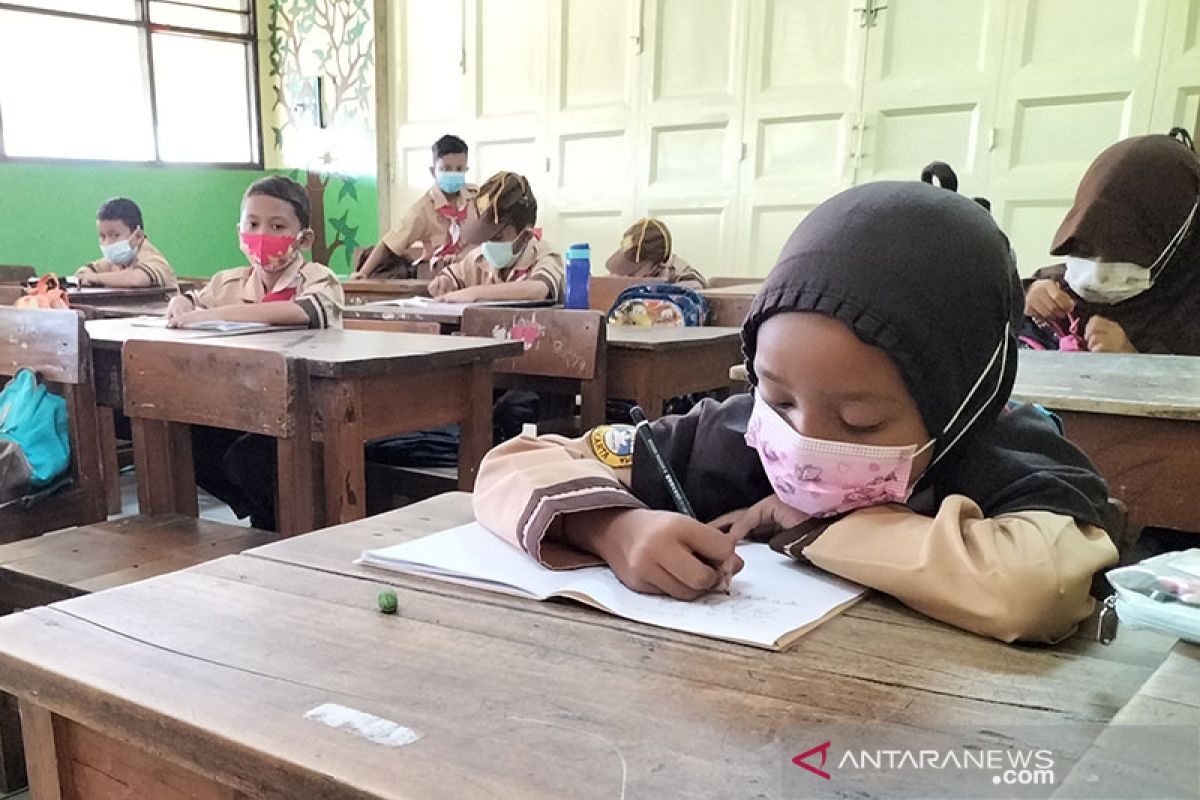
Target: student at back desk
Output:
[(647, 251), (508, 260), (436, 218), (130, 260)]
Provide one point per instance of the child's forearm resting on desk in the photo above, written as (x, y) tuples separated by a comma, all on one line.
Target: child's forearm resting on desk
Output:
[(131, 278), (281, 313), (1017, 576)]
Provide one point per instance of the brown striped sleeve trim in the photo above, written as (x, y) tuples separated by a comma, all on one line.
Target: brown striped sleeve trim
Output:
[(792, 541), (550, 502)]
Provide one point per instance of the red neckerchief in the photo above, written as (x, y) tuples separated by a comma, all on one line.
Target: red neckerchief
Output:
[(280, 295)]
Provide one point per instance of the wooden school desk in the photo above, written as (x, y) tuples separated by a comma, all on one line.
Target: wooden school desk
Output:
[(363, 385), (652, 365), (108, 296), (1136, 416), (201, 681), (369, 290), (730, 304)]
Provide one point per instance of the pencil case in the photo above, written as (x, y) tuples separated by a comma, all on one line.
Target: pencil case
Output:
[(1160, 594)]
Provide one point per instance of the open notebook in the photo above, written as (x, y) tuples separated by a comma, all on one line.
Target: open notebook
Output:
[(213, 327), (772, 601)]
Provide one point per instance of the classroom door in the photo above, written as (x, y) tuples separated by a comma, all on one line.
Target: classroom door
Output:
[(595, 72), (930, 88), (800, 125), (1077, 76), (1177, 99)]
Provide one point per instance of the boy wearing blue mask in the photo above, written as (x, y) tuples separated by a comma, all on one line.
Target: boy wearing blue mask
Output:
[(129, 261), (435, 220), (507, 260)]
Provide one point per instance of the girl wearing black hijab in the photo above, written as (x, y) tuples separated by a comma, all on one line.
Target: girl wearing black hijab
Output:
[(1131, 243), (878, 442)]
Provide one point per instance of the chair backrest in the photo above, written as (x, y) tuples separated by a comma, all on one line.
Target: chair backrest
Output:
[(51, 343), (55, 344), (559, 343), (16, 273), (722, 281), (255, 391), (391, 325), (603, 290)]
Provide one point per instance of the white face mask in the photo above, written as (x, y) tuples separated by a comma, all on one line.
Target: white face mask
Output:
[(1109, 282), (1106, 282), (120, 253)]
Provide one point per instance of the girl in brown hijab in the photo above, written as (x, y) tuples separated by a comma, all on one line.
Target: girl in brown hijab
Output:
[(1131, 242)]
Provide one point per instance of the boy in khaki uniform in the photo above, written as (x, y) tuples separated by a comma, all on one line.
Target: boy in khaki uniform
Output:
[(509, 261), (646, 252), (280, 287), (435, 220), (130, 261)]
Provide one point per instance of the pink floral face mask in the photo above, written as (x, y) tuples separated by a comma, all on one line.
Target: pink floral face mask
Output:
[(824, 478)]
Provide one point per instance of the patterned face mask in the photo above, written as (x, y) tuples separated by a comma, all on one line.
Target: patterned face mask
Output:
[(267, 251)]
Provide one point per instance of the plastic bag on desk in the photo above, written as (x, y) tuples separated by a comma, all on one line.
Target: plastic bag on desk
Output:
[(1160, 594)]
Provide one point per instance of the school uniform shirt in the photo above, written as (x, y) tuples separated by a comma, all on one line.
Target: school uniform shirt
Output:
[(674, 270), (1022, 574), (433, 221), (149, 260), (537, 262), (313, 287)]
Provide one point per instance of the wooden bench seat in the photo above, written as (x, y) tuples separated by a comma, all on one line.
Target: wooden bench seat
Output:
[(88, 558)]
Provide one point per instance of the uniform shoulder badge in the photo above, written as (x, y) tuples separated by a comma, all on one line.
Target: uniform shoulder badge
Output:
[(613, 444)]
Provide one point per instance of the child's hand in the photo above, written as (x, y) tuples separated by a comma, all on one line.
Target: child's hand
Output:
[(1105, 336), (659, 552), (87, 279), (1047, 300), (467, 295), (358, 276), (178, 309), (768, 516)]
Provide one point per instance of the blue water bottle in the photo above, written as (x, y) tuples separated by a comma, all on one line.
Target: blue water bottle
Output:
[(579, 272)]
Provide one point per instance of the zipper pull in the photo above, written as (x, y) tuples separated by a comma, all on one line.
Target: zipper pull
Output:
[(1106, 628)]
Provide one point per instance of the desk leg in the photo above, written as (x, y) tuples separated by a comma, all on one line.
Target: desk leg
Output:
[(166, 476), (42, 753), (475, 431), (108, 458), (339, 404), (296, 489)]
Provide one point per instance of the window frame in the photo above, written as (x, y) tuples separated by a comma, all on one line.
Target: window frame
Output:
[(147, 30)]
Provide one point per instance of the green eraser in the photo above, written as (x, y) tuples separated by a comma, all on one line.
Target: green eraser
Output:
[(387, 601)]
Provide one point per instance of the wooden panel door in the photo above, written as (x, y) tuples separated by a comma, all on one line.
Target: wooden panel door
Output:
[(1177, 100), (1078, 76), (799, 134)]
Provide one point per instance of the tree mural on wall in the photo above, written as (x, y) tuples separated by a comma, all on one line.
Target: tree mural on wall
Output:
[(331, 39)]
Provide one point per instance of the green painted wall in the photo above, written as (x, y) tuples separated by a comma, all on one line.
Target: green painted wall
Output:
[(48, 213)]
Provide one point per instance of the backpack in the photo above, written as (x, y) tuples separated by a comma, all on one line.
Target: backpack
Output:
[(651, 304), (35, 445), (48, 293)]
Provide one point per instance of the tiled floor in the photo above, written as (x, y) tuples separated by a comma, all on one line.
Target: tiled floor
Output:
[(210, 507)]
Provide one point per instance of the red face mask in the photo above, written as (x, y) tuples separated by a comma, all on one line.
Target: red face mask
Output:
[(268, 251)]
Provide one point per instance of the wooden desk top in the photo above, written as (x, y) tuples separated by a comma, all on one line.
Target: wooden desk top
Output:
[(90, 295), (513, 697), (432, 312), (635, 337), (330, 353), (156, 307), (1110, 383), (740, 290)]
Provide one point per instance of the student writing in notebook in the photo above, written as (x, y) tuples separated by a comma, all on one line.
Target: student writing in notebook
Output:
[(647, 251), (435, 220), (1130, 279), (878, 442), (130, 260), (508, 259), (281, 286)]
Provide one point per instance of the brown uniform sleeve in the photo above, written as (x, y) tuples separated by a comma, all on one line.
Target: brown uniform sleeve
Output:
[(1023, 575), (527, 484), (321, 297), (548, 269), (154, 264), (410, 228)]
